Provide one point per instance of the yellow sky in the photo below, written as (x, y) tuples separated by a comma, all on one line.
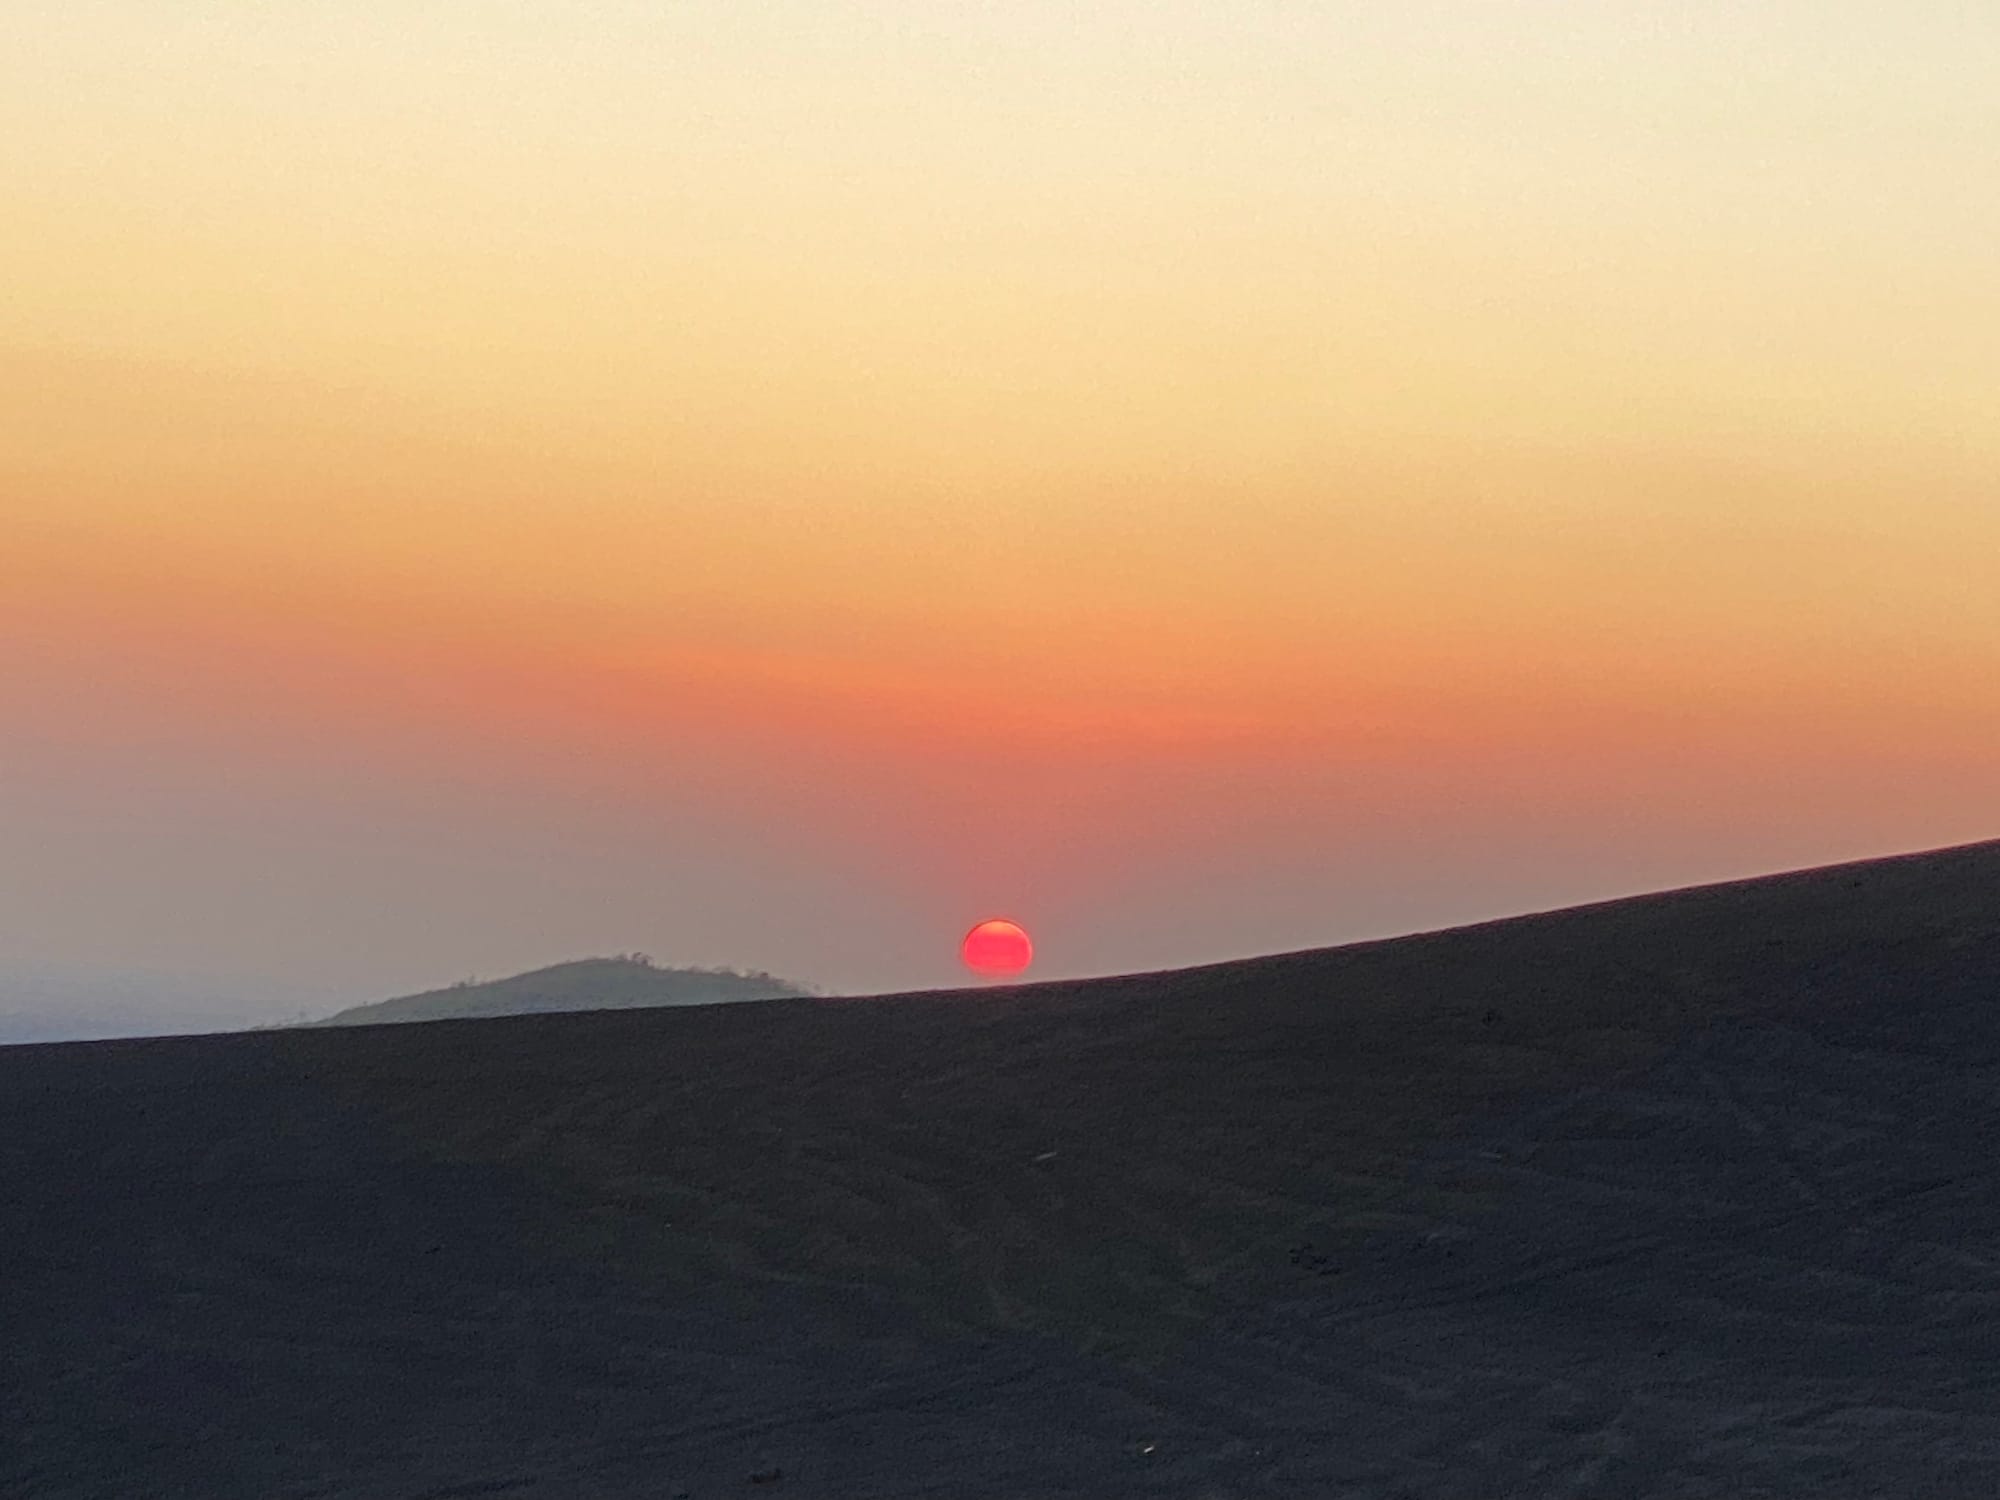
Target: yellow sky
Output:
[(850, 399)]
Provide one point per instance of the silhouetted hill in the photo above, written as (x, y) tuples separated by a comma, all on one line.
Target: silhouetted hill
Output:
[(1690, 1195), (586, 984)]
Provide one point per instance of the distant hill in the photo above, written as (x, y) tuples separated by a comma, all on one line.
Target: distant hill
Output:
[(586, 984)]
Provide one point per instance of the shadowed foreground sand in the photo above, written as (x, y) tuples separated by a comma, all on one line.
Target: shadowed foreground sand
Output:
[(1690, 1195)]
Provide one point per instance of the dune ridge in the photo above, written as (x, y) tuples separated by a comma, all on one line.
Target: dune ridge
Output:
[(1682, 1195)]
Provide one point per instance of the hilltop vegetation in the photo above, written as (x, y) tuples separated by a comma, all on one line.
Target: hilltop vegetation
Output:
[(627, 982)]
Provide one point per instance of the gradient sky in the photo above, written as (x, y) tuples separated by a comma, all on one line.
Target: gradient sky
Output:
[(770, 483)]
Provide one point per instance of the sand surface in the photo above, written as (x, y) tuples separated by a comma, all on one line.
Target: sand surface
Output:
[(1687, 1196)]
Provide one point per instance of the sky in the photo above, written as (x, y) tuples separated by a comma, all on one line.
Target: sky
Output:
[(770, 484)]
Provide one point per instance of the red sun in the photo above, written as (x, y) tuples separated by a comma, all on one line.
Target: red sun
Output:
[(996, 948)]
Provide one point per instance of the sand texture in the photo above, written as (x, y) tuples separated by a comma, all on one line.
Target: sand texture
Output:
[(1687, 1196)]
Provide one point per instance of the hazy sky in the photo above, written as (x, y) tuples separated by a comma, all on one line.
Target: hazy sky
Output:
[(770, 483)]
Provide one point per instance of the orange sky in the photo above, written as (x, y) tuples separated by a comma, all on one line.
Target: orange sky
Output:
[(769, 484)]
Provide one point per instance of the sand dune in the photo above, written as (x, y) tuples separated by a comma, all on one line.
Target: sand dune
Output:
[(1689, 1195)]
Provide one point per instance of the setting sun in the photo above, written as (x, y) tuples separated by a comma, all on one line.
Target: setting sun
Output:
[(997, 948)]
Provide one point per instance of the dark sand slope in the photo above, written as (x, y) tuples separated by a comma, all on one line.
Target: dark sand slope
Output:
[(1691, 1195)]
